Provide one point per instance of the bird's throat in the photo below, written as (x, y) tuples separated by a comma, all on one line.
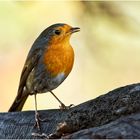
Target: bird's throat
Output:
[(59, 59)]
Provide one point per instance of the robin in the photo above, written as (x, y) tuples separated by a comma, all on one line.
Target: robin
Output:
[(48, 63)]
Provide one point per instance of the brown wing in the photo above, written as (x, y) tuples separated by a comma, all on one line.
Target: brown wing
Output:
[(22, 95), (30, 63)]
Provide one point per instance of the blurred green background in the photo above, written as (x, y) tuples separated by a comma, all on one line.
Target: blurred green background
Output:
[(107, 48)]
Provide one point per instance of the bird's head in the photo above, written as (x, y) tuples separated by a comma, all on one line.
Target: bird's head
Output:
[(58, 33)]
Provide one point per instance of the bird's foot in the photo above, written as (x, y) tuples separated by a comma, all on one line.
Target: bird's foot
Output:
[(63, 107), (38, 120), (38, 126), (41, 135)]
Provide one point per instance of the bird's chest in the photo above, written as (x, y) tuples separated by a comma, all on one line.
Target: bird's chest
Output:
[(59, 60)]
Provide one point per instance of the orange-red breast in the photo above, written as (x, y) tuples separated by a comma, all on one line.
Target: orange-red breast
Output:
[(48, 63)]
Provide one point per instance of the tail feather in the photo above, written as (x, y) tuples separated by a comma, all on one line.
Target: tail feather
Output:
[(18, 104)]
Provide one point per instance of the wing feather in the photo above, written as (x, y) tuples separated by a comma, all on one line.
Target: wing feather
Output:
[(31, 62)]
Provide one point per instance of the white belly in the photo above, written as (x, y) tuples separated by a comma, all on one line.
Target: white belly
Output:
[(55, 82)]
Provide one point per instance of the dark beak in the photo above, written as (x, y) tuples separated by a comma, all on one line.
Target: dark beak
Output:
[(75, 29)]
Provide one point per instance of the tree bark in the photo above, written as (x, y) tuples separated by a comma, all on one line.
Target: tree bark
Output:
[(113, 115)]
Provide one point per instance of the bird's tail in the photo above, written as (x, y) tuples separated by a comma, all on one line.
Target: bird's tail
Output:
[(18, 103)]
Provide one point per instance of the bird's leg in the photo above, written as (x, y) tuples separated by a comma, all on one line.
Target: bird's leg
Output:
[(37, 123), (62, 106), (37, 119)]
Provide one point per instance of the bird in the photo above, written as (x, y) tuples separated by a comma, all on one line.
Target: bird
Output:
[(48, 63)]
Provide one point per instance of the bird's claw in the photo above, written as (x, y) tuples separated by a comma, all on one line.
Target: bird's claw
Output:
[(40, 135), (37, 121), (63, 107)]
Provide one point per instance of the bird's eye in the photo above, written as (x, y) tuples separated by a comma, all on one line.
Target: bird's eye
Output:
[(57, 32)]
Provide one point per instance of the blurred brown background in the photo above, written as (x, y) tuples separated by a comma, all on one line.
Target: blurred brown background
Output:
[(107, 48)]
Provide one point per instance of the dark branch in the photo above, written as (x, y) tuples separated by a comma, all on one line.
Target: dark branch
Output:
[(113, 115)]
